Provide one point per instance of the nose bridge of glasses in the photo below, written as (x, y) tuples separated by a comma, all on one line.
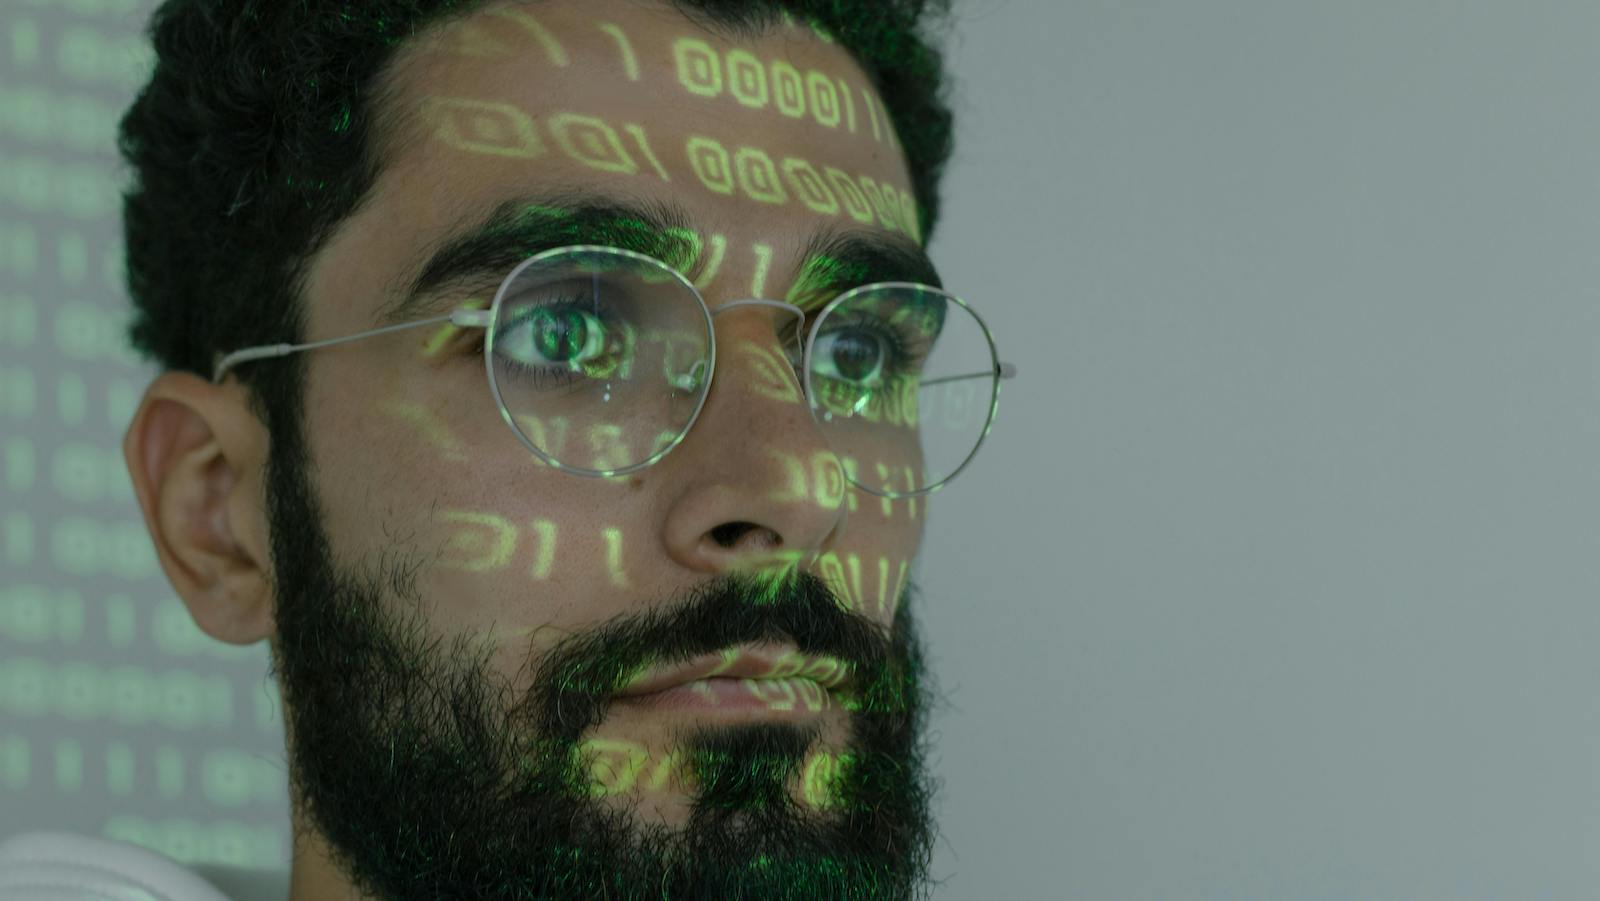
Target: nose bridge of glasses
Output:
[(800, 315), (756, 302)]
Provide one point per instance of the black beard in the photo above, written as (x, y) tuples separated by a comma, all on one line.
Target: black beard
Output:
[(430, 779)]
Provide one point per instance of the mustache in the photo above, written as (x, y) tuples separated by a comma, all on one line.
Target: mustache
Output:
[(578, 677)]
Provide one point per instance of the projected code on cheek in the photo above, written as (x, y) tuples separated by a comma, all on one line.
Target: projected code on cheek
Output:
[(484, 543)]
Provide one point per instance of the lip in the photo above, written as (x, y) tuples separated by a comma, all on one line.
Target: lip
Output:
[(745, 664)]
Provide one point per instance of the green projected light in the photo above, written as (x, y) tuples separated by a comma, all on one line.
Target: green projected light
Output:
[(720, 228), (616, 351), (117, 715)]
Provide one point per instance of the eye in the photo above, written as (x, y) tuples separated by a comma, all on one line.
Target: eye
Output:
[(853, 355), (552, 336)]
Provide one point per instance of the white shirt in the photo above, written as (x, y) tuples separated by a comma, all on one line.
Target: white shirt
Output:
[(61, 866)]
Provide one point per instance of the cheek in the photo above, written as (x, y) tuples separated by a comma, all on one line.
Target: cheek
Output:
[(423, 467), (869, 567), (516, 570), (383, 450), (418, 469)]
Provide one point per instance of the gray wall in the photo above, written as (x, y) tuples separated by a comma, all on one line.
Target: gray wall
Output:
[(1276, 578), (1279, 580)]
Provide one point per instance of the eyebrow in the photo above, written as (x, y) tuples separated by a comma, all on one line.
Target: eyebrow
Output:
[(837, 260), (479, 257)]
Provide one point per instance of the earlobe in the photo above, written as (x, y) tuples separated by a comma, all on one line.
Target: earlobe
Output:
[(191, 448)]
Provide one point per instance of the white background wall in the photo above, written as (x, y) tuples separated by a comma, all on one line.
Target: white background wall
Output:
[(1277, 577)]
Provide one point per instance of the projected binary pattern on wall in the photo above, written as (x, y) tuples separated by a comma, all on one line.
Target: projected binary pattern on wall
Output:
[(117, 717)]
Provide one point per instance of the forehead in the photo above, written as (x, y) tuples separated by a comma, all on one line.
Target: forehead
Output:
[(773, 134)]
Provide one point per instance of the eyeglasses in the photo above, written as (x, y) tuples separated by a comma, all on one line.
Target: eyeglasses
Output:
[(600, 360)]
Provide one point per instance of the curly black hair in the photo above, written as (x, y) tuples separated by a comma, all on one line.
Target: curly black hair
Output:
[(263, 127)]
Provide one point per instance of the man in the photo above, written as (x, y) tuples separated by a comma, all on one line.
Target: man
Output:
[(584, 561)]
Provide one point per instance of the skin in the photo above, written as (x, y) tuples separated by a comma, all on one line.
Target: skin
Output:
[(393, 494)]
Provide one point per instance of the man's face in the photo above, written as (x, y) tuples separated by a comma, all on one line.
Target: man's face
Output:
[(466, 635)]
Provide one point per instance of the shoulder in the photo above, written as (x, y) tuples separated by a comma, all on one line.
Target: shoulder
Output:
[(63, 866)]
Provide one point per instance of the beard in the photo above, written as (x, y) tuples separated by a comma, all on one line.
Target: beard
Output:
[(431, 778)]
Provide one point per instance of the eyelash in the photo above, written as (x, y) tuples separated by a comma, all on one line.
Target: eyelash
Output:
[(543, 378), (903, 349)]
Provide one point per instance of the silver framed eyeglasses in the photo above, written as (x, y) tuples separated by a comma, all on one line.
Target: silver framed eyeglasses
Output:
[(600, 360)]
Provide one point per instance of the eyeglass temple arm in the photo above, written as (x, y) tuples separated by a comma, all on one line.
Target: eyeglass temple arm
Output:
[(465, 317), (1005, 371)]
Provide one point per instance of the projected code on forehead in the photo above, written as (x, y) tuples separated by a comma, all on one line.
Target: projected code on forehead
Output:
[(497, 129), (731, 80), (778, 85), (702, 70)]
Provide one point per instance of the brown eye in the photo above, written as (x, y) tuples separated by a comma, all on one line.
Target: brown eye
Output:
[(850, 355)]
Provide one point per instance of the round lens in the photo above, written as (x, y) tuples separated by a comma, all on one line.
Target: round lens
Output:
[(600, 358), (902, 379)]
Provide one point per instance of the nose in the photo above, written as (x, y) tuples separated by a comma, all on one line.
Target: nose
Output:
[(747, 472)]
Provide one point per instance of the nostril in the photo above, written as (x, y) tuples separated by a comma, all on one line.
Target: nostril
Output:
[(731, 534), (727, 534)]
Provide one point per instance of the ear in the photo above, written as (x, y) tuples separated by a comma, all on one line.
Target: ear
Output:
[(197, 456)]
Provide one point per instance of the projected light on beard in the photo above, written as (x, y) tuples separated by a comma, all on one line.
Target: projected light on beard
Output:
[(431, 778)]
